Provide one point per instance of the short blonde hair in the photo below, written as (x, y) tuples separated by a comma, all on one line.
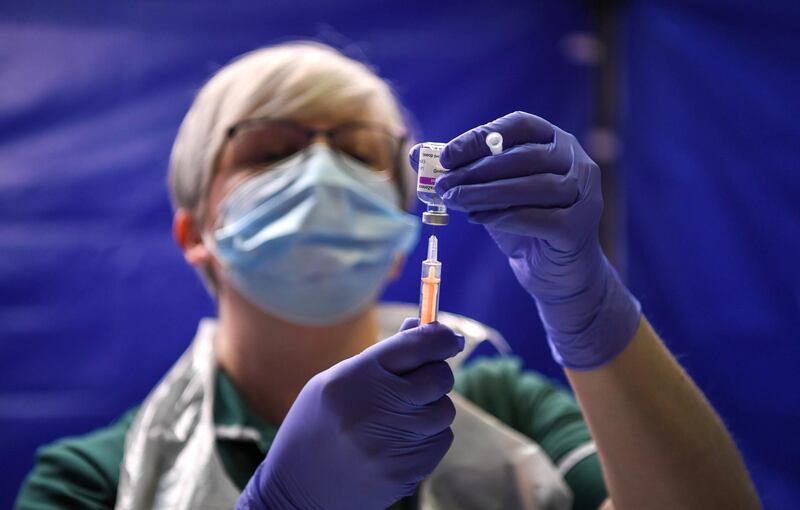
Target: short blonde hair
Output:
[(299, 80)]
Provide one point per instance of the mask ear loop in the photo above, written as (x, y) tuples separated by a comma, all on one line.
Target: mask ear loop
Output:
[(208, 240), (207, 276), (206, 272)]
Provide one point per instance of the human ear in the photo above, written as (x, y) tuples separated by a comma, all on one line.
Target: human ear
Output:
[(187, 233)]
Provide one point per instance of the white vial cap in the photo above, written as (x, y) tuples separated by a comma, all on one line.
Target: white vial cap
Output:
[(494, 141)]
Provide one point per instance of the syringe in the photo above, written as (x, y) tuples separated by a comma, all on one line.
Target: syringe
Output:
[(429, 286)]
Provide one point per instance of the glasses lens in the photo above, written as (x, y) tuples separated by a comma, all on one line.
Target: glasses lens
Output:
[(368, 144), (262, 144)]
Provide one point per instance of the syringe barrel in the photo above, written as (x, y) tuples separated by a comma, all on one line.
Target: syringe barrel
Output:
[(431, 269), (429, 291)]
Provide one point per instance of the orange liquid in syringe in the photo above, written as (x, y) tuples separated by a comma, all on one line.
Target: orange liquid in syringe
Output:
[(430, 296)]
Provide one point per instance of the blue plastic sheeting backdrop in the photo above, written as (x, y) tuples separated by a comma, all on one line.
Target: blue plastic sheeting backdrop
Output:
[(96, 301), (711, 152)]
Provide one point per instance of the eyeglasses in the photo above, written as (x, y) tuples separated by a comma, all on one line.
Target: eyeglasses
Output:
[(263, 141)]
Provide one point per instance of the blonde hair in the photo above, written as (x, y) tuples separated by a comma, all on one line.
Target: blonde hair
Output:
[(299, 80)]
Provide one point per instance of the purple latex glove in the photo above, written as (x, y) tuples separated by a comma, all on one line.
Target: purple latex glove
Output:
[(365, 432), (541, 202)]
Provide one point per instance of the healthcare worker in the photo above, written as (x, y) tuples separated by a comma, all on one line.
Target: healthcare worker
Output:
[(288, 178)]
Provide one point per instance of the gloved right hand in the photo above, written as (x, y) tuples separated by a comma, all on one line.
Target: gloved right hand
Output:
[(365, 432)]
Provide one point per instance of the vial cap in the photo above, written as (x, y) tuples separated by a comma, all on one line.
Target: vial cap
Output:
[(494, 141), (435, 219)]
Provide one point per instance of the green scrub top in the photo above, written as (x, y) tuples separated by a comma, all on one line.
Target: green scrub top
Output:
[(82, 473)]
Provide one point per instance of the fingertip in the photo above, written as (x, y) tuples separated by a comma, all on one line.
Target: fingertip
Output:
[(446, 156), (461, 342), (450, 382), (437, 447), (525, 127), (413, 156), (451, 408), (456, 341), (443, 183), (447, 438), (442, 378), (408, 323), (463, 149), (450, 179)]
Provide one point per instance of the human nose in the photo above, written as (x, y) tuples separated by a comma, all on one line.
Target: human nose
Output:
[(321, 137)]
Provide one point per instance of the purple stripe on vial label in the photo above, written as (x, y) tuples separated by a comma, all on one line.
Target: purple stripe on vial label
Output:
[(427, 180)]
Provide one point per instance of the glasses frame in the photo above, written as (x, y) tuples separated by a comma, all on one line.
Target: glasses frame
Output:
[(400, 136)]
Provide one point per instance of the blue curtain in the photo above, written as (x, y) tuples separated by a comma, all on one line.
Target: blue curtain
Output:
[(96, 301), (710, 160)]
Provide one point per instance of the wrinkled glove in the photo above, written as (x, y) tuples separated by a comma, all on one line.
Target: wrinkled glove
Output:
[(365, 432), (541, 202)]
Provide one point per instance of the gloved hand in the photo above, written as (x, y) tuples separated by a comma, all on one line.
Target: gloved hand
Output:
[(541, 202), (365, 432)]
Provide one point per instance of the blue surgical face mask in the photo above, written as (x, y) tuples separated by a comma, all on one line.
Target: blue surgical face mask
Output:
[(312, 239)]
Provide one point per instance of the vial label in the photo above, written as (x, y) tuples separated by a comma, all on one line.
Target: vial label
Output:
[(429, 167)]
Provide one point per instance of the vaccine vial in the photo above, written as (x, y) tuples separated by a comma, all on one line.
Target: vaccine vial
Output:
[(429, 168)]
